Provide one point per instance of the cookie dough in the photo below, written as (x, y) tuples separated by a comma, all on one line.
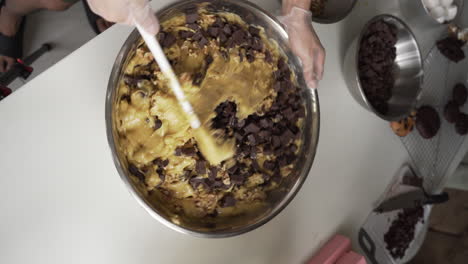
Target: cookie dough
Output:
[(460, 94), (403, 127), (241, 88), (427, 121), (451, 111)]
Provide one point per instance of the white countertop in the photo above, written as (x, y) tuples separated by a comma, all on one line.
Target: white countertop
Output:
[(62, 200)]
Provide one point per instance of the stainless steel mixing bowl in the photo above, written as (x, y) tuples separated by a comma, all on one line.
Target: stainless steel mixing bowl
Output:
[(278, 199), (407, 69), (334, 11)]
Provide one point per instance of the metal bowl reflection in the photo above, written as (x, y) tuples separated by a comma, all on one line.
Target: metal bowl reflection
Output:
[(278, 199)]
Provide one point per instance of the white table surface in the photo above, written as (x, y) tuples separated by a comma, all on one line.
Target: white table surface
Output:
[(62, 200)]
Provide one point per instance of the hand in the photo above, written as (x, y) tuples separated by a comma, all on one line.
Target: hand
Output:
[(127, 12), (305, 44)]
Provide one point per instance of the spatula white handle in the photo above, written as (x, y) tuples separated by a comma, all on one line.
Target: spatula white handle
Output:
[(166, 69)]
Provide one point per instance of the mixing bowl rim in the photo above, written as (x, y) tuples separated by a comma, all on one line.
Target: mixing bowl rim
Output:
[(112, 88)]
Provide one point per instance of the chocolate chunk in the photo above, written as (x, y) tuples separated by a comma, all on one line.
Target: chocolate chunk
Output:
[(257, 44), (189, 151), (233, 169), (276, 141), (269, 165), (461, 125), (228, 201), (402, 231), (238, 36), (197, 36), (185, 34), (213, 173), (168, 41), (161, 175), (136, 172), (191, 18), (237, 178), (251, 128), (268, 57), (460, 94), (197, 181), (227, 29), (197, 78), (254, 31), (287, 137), (195, 27), (178, 151), (222, 38), (214, 31), (250, 55), (451, 111), (200, 167), (427, 121), (208, 59), (252, 139), (157, 124), (202, 42)]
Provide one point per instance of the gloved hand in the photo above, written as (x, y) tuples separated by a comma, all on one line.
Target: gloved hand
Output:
[(305, 44), (127, 12)]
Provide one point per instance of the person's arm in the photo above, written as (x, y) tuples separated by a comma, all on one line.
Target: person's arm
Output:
[(288, 5), (303, 40)]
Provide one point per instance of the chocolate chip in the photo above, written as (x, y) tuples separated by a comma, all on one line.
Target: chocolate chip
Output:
[(178, 151), (222, 38), (195, 27), (213, 173), (276, 141), (197, 181), (214, 31), (200, 167), (168, 41), (189, 151), (197, 36), (252, 139), (269, 165), (251, 128), (257, 44), (208, 59), (162, 177), (254, 31), (197, 78), (185, 34), (202, 42), (136, 172), (228, 201), (237, 178), (227, 29), (157, 124)]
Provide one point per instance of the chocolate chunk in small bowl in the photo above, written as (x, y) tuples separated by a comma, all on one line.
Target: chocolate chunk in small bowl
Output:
[(228, 201)]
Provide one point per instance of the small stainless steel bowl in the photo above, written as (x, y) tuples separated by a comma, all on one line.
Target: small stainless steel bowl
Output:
[(334, 11), (417, 12), (407, 68), (278, 199)]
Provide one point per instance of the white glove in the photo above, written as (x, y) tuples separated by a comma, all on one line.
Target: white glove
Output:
[(305, 44), (127, 12)]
